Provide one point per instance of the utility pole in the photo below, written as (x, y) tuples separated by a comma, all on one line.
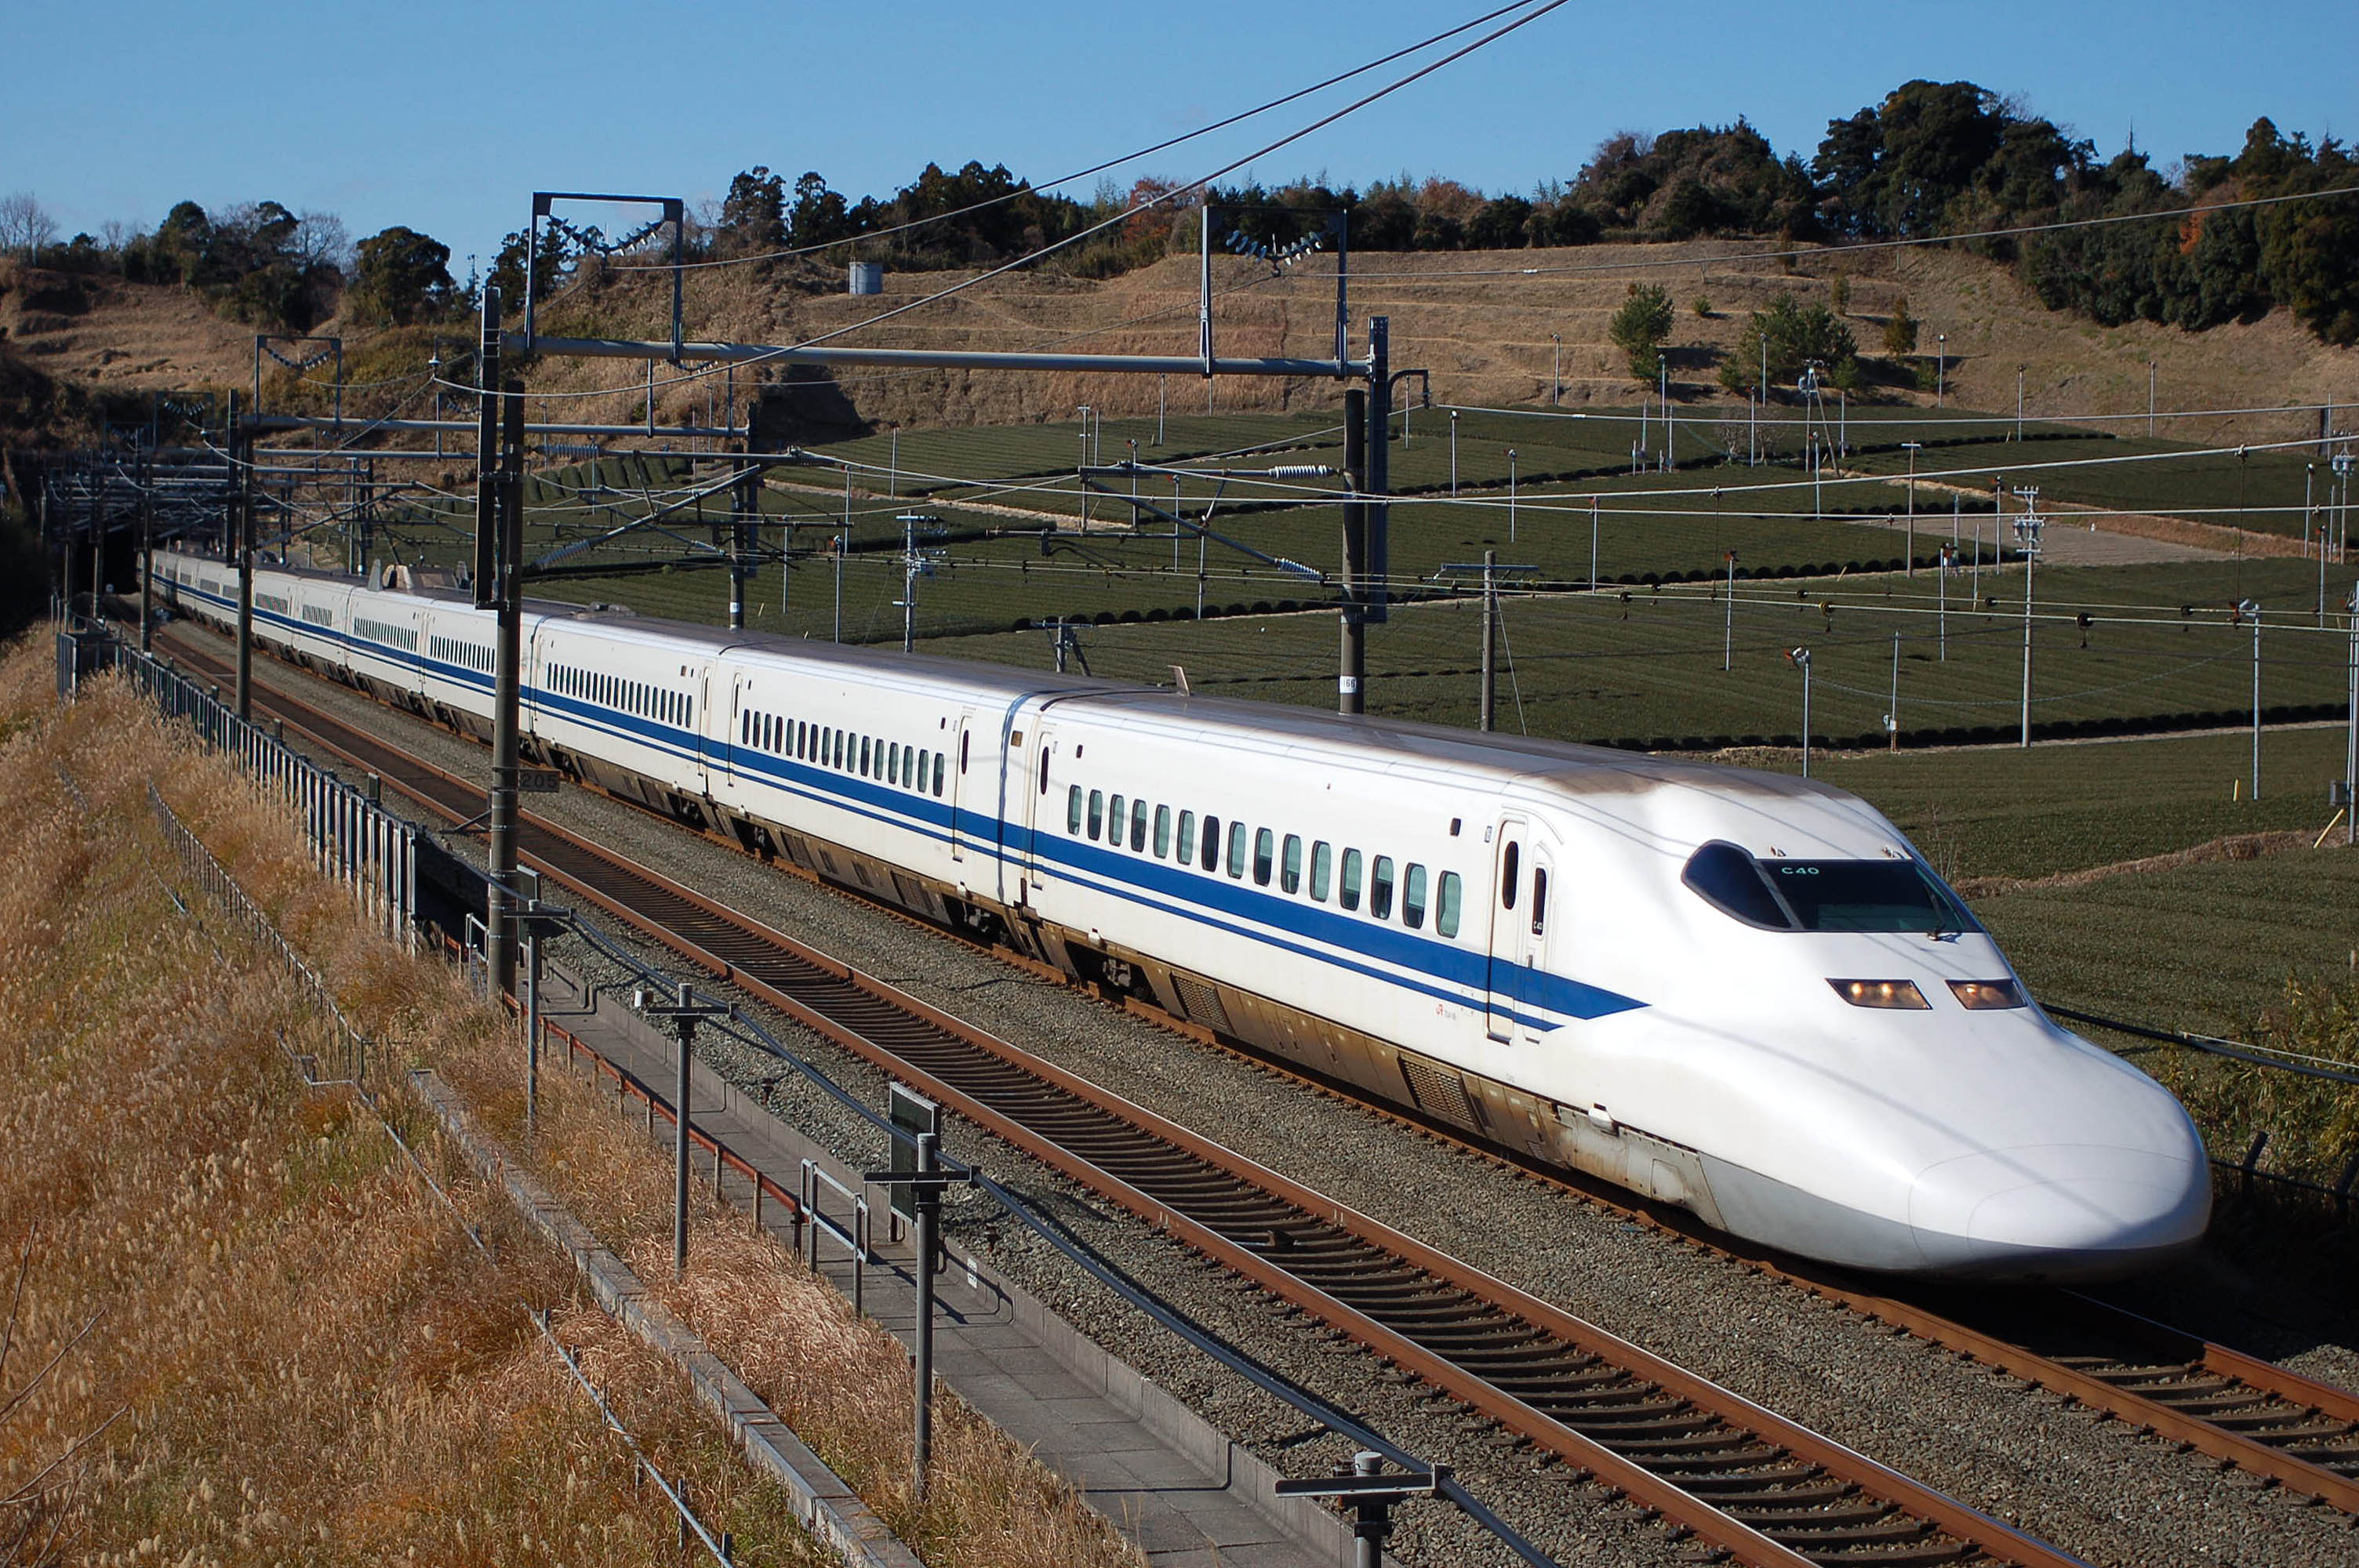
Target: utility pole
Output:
[(2252, 608), (683, 1014), (1940, 367), (1942, 598), (240, 456), (1453, 454), (1487, 706), (1909, 554), (1350, 698), (2019, 401), (1490, 641), (744, 505), (2149, 397), (915, 564), (1372, 1495), (1556, 380), (147, 549), (2028, 529), (1511, 495), (843, 545), (2351, 733), (1800, 659), (1728, 623), (925, 1179), (1892, 714), (1592, 543), (499, 442)]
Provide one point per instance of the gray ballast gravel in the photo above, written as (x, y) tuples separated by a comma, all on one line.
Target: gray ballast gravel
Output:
[(2081, 1481)]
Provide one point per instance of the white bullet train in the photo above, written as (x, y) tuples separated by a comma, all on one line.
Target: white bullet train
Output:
[(1738, 992)]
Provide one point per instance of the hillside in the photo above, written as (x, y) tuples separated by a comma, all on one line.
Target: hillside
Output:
[(1482, 321)]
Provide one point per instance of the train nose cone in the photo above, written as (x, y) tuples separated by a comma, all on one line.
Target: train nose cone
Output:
[(2059, 1210)]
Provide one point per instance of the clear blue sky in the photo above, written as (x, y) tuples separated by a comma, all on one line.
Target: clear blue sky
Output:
[(446, 116)]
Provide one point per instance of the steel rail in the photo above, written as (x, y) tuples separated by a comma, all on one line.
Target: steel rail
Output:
[(2263, 1418), (1707, 1461)]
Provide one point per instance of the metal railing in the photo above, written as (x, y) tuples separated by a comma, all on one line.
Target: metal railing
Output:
[(855, 1237), (354, 839)]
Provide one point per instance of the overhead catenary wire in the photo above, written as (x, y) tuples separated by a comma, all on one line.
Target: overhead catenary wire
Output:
[(1030, 187)]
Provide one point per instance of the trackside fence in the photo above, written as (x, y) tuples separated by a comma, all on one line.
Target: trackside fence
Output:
[(354, 839)]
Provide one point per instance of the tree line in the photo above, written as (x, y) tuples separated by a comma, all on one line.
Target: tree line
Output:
[(1929, 159)]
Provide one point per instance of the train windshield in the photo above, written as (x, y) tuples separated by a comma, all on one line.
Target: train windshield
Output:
[(1825, 895)]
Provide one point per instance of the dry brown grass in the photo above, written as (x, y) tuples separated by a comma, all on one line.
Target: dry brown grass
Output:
[(440, 1390), (297, 1356)]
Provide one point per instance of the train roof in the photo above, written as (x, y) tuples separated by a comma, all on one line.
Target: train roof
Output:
[(1151, 710)]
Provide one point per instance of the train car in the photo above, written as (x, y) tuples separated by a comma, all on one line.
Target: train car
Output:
[(1731, 990)]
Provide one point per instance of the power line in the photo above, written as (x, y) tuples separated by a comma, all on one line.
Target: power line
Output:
[(1029, 187)]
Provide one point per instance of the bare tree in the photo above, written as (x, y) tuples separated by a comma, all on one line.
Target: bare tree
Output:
[(26, 225), (319, 239)]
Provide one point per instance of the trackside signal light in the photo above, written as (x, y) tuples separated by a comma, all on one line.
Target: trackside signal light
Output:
[(1899, 994)]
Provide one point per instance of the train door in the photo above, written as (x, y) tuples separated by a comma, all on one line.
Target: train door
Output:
[(733, 731), (1039, 813), (962, 744), (1521, 893)]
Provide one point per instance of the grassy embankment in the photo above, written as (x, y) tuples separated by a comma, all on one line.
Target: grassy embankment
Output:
[(271, 1343)]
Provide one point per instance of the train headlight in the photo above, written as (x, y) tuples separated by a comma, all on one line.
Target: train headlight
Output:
[(1985, 995), (1902, 994)]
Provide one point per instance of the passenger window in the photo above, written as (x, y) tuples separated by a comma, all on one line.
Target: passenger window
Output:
[(1097, 812), (1114, 818), (1380, 889), (938, 760), (1445, 909), (1212, 843), (1138, 825), (1289, 868), (1413, 896), (1322, 869), (842, 740), (1073, 809), (1264, 852), (863, 757), (1510, 860), (1348, 894), (1540, 900), (893, 764), (1187, 837), (744, 729), (1236, 849), (1162, 832)]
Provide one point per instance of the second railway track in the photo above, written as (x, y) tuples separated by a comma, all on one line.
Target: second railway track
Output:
[(1737, 1476)]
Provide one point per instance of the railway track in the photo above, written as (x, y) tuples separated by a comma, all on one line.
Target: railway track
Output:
[(1737, 1476)]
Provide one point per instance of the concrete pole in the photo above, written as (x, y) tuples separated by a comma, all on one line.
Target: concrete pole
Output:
[(2257, 701), (508, 685), (146, 551), (2351, 733), (929, 1204), (241, 509), (1728, 621), (2030, 562), (1592, 543), (684, 1025), (1352, 675), (1490, 641), (1892, 732)]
